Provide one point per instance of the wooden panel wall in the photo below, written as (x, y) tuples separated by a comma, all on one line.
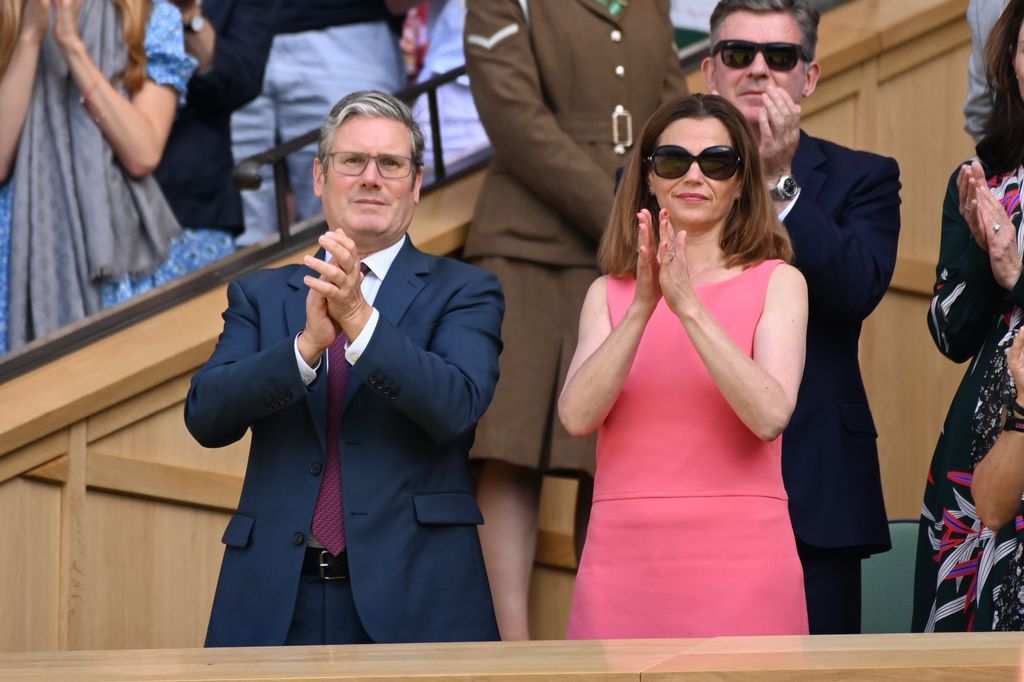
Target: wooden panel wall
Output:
[(113, 515)]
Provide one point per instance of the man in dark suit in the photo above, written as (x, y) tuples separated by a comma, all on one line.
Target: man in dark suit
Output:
[(841, 208), (230, 41), (375, 352)]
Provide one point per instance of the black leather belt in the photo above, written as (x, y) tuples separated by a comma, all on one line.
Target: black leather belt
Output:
[(321, 562)]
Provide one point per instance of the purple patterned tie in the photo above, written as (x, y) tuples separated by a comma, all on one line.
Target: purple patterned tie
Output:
[(328, 520)]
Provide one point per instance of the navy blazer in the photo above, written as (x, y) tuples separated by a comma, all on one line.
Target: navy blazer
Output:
[(414, 398), (845, 227), (195, 171)]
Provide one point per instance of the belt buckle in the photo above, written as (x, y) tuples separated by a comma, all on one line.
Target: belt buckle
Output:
[(324, 554), (622, 129)]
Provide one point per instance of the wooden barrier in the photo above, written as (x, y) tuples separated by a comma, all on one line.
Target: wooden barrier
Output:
[(112, 514), (957, 657)]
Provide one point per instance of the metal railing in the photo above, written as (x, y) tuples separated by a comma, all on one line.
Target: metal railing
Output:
[(247, 173), (290, 237)]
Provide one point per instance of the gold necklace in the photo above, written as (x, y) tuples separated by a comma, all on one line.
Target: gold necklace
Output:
[(704, 267)]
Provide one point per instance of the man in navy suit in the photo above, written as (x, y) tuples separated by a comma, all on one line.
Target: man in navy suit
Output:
[(375, 352), (841, 208)]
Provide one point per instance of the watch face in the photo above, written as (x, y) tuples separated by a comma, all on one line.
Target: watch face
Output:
[(196, 23), (786, 189)]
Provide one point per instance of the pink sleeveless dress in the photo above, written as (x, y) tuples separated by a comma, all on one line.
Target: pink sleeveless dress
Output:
[(689, 532)]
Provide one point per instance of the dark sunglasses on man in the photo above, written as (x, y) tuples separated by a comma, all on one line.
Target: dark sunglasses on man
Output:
[(739, 54), (671, 162)]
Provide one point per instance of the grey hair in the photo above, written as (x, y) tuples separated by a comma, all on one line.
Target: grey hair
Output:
[(371, 104), (805, 15)]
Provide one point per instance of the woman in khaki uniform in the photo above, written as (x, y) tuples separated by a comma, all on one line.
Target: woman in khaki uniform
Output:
[(561, 86)]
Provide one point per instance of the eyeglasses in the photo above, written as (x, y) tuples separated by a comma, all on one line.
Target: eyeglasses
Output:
[(739, 54), (388, 165), (671, 162)]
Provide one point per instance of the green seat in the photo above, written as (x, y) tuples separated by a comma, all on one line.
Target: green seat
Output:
[(887, 582)]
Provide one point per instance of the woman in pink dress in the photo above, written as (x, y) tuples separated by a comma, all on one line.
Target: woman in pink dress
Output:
[(690, 354)]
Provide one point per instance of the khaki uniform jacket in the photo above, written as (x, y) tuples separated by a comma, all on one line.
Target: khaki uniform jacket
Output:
[(546, 90)]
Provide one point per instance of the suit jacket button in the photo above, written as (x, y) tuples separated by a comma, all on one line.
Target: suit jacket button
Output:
[(315, 468), (298, 539)]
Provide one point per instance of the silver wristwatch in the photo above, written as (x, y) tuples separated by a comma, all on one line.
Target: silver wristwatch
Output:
[(196, 23), (785, 189)]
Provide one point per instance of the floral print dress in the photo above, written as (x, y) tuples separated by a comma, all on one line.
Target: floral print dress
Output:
[(968, 577)]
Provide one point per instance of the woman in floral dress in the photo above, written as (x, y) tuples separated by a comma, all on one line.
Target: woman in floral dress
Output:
[(970, 556)]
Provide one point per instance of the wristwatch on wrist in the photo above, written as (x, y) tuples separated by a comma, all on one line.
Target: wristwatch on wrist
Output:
[(196, 23), (785, 189)]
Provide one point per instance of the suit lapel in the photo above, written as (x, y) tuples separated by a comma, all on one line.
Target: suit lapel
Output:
[(401, 285), (808, 159), (295, 318)]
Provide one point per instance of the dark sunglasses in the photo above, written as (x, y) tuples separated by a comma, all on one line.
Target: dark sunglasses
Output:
[(671, 162), (739, 54)]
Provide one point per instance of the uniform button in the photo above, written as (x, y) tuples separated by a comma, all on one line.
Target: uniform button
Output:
[(298, 539), (616, 36), (620, 71), (315, 468)]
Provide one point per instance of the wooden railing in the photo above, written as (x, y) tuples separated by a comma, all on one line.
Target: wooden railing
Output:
[(977, 657)]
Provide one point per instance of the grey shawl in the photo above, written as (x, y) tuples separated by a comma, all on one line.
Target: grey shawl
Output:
[(78, 217)]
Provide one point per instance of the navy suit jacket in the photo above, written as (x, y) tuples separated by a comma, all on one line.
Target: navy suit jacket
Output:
[(195, 171), (414, 398), (845, 228)]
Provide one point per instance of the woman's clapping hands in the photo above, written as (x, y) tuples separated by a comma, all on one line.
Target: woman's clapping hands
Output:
[(990, 226)]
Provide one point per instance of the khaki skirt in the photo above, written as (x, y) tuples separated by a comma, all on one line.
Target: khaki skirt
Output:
[(539, 331)]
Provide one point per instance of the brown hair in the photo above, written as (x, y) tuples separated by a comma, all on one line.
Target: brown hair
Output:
[(752, 231), (10, 25), (134, 17), (1002, 137)]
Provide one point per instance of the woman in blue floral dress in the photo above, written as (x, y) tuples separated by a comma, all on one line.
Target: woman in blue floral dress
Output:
[(970, 564), (88, 94)]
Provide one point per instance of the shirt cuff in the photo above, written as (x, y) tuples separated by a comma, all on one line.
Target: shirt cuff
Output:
[(307, 373), (355, 349), (789, 206), (1016, 294)]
